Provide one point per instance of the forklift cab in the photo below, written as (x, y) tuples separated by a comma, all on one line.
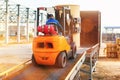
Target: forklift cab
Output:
[(63, 16)]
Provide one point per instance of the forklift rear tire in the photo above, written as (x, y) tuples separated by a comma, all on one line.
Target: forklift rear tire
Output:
[(62, 60), (34, 61)]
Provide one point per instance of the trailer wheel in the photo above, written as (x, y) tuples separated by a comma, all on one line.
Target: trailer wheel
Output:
[(62, 60), (34, 61)]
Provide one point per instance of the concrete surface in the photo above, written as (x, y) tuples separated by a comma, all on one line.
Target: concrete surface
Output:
[(15, 54)]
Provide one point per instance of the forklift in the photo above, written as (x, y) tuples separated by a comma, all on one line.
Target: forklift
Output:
[(51, 47)]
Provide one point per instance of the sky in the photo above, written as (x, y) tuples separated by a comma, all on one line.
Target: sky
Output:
[(110, 12)]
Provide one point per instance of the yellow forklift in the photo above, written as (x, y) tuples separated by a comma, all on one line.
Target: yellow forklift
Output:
[(50, 48)]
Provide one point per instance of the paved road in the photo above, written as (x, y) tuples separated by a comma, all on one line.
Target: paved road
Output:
[(15, 53), (12, 55)]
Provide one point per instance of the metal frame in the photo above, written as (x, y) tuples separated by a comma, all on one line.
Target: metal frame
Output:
[(75, 70), (91, 60), (15, 14), (91, 55)]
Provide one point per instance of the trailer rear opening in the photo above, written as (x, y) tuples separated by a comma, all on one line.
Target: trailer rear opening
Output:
[(90, 28)]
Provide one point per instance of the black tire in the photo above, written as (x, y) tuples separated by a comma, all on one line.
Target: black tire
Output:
[(74, 55), (34, 61), (62, 60)]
